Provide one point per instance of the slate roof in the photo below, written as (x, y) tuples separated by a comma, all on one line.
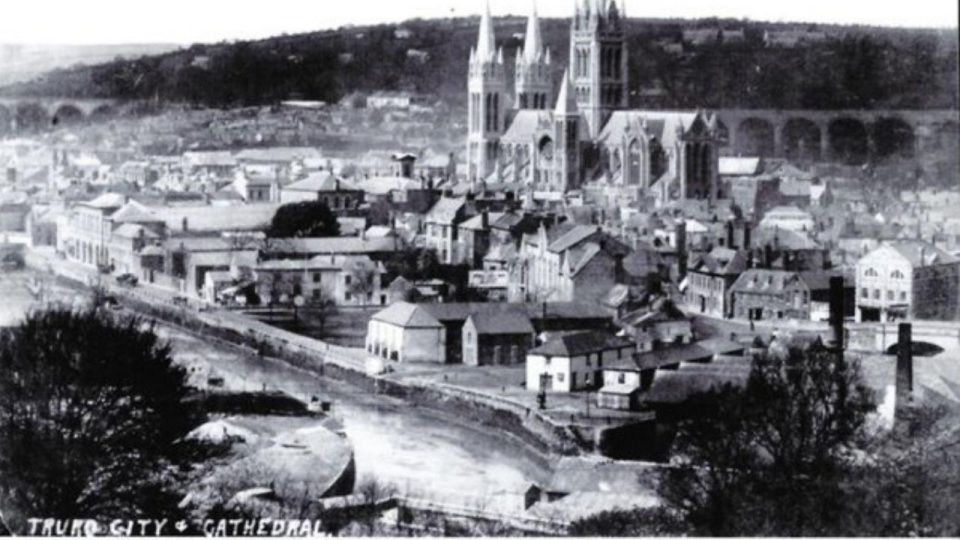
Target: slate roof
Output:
[(107, 201), (134, 212), (505, 323), (572, 237), (217, 218), (662, 125), (701, 350), (764, 280), (406, 315), (337, 244), (912, 249), (581, 343), (721, 261), (320, 181), (446, 209), (581, 256), (476, 222)]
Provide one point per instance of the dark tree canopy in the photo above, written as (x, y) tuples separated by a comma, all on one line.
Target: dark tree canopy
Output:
[(770, 458), (309, 219), (851, 68), (92, 414), (414, 263)]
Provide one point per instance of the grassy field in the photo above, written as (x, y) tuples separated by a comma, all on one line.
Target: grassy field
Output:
[(344, 327)]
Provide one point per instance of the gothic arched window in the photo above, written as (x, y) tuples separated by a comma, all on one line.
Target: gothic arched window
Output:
[(634, 161), (546, 149)]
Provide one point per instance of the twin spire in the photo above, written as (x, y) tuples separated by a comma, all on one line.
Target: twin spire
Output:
[(486, 45), (533, 49), (533, 42)]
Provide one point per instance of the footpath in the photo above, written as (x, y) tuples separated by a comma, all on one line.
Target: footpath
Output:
[(544, 434)]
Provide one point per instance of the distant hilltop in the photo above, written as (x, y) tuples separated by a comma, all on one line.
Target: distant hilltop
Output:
[(708, 63), (19, 63)]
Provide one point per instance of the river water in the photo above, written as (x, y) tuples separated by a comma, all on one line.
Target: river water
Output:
[(419, 452)]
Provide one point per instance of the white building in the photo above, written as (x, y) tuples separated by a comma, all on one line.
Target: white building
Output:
[(406, 332), (573, 362), (887, 278)]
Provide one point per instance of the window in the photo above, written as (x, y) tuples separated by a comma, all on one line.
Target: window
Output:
[(876, 294), (347, 279), (889, 296), (865, 293), (897, 274), (560, 377), (316, 278), (870, 272), (903, 296), (622, 378), (589, 363)]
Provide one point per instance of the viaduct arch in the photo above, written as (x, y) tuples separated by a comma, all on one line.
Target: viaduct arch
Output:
[(849, 136), (18, 115)]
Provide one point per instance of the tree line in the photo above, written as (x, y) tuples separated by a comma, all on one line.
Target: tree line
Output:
[(852, 68)]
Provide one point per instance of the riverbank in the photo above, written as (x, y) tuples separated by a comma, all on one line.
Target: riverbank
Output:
[(547, 437)]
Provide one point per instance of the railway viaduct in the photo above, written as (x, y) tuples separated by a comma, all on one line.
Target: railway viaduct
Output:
[(849, 136)]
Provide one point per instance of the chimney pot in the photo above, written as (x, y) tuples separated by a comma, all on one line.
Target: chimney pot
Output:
[(904, 383)]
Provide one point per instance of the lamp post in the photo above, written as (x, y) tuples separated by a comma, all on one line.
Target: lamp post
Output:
[(542, 396), (298, 303)]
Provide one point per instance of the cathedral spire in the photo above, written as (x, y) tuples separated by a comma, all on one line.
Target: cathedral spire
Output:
[(533, 43), (567, 102), (486, 47)]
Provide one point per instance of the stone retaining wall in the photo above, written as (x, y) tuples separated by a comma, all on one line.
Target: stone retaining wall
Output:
[(537, 430)]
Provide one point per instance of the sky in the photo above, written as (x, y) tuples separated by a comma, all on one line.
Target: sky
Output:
[(192, 21)]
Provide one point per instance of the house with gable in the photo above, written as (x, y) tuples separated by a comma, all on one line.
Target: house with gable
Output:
[(571, 263), (901, 279), (709, 279)]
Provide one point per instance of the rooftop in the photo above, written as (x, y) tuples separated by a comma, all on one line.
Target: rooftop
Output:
[(582, 343)]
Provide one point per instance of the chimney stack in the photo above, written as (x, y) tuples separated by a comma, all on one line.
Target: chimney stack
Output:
[(730, 241), (746, 235), (485, 220), (904, 369), (682, 248), (837, 302)]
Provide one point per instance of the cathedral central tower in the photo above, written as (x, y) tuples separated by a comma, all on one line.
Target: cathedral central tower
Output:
[(598, 62)]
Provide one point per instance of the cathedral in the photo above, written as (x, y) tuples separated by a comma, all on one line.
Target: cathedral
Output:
[(550, 141)]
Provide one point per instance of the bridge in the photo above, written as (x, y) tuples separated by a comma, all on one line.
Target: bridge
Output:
[(849, 136), (884, 337), (30, 114)]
